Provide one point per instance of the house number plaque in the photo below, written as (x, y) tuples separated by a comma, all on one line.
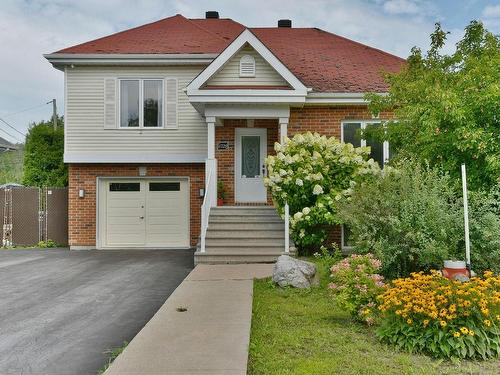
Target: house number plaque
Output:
[(223, 145)]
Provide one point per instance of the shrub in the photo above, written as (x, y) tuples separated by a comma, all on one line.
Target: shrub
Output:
[(484, 222), (356, 284), (43, 156), (408, 217), (441, 317), (313, 173)]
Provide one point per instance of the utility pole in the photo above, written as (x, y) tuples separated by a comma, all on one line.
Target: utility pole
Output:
[(54, 113)]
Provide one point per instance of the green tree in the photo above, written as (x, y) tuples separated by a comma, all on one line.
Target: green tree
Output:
[(11, 166), (43, 155), (447, 106)]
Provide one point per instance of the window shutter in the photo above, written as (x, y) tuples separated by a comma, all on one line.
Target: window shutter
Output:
[(110, 99), (171, 94)]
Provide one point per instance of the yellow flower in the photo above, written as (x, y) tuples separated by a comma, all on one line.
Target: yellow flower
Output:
[(426, 322), (471, 332), (485, 311), (409, 321), (443, 323), (487, 322), (456, 334), (498, 317), (464, 330)]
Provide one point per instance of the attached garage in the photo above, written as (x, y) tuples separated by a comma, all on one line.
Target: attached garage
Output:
[(143, 213)]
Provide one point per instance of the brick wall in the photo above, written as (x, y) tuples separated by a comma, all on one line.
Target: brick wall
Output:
[(82, 211), (327, 120)]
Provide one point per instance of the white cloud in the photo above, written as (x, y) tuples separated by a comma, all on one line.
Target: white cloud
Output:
[(30, 28), (492, 11), (401, 7), (491, 15)]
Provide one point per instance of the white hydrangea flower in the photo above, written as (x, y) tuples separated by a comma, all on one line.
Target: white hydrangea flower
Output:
[(306, 210), (299, 182), (317, 190), (298, 215)]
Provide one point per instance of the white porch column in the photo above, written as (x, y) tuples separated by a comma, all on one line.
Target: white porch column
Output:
[(211, 165), (283, 121), (211, 137)]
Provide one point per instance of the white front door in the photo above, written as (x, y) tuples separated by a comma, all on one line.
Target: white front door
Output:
[(250, 152)]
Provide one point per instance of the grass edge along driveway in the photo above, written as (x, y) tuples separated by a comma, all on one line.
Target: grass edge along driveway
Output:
[(303, 332)]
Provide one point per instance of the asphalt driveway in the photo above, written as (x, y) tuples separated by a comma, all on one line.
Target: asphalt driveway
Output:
[(60, 311)]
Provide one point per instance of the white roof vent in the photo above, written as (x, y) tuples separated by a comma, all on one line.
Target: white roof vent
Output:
[(247, 66)]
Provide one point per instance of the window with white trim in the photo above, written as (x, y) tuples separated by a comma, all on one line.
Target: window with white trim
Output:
[(247, 66), (379, 152), (350, 134), (141, 103)]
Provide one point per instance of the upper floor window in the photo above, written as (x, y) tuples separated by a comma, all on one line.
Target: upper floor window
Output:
[(350, 134), (247, 66), (141, 103)]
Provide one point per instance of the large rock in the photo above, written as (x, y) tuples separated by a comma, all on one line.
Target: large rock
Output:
[(289, 271)]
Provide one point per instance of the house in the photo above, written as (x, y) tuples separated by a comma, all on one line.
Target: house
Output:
[(158, 114), (5, 145)]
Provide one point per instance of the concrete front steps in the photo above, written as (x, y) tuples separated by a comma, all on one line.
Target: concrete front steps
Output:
[(243, 234)]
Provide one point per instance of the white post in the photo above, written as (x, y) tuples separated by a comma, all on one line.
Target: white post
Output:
[(466, 217), (283, 121), (287, 228), (210, 137)]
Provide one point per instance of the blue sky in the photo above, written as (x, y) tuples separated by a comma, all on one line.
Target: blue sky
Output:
[(29, 28)]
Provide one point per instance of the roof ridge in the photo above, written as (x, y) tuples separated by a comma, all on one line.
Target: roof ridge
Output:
[(123, 31), (358, 43)]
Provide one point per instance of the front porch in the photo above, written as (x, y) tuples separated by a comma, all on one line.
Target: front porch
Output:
[(247, 229)]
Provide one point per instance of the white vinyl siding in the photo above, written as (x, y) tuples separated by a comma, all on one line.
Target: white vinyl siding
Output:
[(87, 134), (229, 74), (171, 98)]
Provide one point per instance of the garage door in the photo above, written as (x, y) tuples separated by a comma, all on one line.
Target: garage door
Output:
[(144, 213)]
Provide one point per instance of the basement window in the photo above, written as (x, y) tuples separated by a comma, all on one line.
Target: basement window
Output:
[(247, 66)]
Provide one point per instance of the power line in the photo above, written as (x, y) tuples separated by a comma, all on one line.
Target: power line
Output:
[(12, 127), (10, 135), (25, 110)]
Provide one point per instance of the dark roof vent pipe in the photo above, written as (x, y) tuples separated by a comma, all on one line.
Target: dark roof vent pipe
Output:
[(284, 23), (211, 14)]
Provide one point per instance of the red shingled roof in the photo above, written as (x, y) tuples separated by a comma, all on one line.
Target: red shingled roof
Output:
[(175, 34), (328, 62), (321, 60)]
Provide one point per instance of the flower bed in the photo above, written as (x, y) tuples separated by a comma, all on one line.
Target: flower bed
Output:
[(441, 317)]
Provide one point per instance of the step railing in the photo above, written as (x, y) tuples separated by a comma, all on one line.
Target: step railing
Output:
[(209, 200), (287, 228)]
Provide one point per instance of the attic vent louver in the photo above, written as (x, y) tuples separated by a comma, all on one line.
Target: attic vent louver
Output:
[(247, 66), (212, 14)]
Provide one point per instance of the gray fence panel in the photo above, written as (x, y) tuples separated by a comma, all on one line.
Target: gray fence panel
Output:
[(56, 215), (25, 216)]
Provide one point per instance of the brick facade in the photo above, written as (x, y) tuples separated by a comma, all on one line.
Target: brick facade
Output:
[(82, 211)]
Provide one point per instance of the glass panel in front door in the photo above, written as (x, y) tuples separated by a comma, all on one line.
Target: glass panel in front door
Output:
[(250, 160)]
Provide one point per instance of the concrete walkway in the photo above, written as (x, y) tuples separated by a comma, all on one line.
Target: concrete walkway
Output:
[(210, 337)]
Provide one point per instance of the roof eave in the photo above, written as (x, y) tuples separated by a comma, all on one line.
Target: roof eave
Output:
[(59, 60), (348, 98)]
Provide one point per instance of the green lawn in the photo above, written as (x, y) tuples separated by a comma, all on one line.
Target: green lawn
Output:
[(303, 332)]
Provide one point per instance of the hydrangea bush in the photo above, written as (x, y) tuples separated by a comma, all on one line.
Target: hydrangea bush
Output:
[(356, 285), (443, 318), (313, 173)]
